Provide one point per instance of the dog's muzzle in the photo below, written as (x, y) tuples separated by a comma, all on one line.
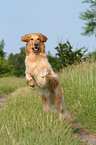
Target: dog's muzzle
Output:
[(35, 48)]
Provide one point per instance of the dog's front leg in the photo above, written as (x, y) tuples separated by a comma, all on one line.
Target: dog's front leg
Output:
[(42, 78), (30, 80)]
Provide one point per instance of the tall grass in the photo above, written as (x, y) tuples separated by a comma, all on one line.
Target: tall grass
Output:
[(79, 83), (23, 122), (8, 85)]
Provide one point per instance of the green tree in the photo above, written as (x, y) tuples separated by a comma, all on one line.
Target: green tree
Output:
[(89, 16), (18, 62), (66, 56), (2, 53), (5, 68)]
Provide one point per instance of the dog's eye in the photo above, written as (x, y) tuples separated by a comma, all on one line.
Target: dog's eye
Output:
[(38, 39), (31, 38)]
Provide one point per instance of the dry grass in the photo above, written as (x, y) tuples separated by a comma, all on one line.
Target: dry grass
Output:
[(79, 83)]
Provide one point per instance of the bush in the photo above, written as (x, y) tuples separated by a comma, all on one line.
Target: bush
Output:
[(66, 56)]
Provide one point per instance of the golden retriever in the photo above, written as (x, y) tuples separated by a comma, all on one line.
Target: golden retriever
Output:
[(39, 72)]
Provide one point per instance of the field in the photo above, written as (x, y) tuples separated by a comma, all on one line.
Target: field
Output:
[(8, 85), (79, 85), (22, 120)]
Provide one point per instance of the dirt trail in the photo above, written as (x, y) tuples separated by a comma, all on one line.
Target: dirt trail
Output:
[(77, 129), (4, 99), (85, 137)]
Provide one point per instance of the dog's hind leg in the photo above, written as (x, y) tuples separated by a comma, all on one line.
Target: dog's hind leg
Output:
[(44, 100), (59, 100)]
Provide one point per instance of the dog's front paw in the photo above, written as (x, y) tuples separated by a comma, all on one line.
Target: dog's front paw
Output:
[(31, 83)]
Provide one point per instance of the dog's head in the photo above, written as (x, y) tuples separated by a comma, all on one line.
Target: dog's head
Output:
[(34, 42)]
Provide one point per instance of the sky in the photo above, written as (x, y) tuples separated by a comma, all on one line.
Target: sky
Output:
[(56, 19)]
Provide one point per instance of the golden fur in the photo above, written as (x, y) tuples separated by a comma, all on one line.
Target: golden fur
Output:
[(39, 72)]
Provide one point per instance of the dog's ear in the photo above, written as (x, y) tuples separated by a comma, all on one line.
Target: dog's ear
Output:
[(43, 38), (25, 38)]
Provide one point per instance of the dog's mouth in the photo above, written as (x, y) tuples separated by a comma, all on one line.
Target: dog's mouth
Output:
[(35, 49)]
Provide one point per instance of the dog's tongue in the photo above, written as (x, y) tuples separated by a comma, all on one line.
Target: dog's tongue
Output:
[(36, 48)]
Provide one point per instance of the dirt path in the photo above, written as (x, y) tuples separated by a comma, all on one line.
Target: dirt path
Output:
[(3, 100), (85, 137), (77, 129)]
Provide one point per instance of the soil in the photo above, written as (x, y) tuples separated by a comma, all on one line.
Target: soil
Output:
[(77, 129), (4, 99), (85, 137)]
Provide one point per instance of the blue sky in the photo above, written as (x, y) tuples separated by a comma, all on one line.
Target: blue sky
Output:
[(57, 19)]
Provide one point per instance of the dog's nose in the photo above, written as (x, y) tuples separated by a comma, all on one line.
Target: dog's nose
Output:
[(36, 44)]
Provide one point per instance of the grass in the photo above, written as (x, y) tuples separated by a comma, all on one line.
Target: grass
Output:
[(24, 122), (8, 85), (79, 83)]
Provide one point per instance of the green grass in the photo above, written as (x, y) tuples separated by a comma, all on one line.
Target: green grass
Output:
[(24, 122), (8, 85), (79, 83)]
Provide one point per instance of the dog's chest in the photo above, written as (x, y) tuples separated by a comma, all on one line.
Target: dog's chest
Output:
[(31, 67), (35, 67)]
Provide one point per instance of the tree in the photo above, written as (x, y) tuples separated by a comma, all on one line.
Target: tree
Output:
[(2, 53), (90, 17), (5, 68), (66, 56), (18, 62)]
